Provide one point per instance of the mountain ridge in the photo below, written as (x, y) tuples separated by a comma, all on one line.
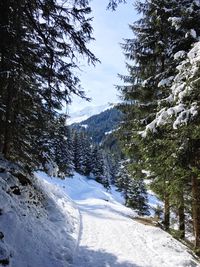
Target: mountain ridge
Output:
[(98, 126), (85, 113)]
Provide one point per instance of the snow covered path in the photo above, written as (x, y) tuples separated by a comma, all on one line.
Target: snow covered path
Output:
[(106, 239), (109, 238)]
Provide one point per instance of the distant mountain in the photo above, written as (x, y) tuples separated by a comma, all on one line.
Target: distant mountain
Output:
[(101, 129), (99, 126), (86, 113)]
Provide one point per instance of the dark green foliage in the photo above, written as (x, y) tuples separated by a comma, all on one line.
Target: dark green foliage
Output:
[(87, 154), (101, 130), (82, 153), (62, 149), (40, 42), (98, 167), (133, 189), (114, 3), (100, 124), (89, 159), (78, 153), (152, 141)]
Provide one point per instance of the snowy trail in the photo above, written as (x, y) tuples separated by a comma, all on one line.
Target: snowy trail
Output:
[(109, 238), (104, 240)]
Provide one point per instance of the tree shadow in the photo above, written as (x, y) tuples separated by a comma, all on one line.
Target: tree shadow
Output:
[(98, 258)]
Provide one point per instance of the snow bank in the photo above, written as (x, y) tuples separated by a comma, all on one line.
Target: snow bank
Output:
[(81, 189), (38, 223)]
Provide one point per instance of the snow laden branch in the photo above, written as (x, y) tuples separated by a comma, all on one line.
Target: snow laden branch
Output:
[(183, 103)]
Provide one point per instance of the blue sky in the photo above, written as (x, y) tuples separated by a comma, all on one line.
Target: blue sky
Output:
[(109, 30)]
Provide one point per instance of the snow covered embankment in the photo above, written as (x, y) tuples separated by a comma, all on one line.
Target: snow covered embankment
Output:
[(38, 222)]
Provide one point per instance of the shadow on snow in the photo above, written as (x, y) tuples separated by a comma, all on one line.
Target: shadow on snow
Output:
[(100, 258)]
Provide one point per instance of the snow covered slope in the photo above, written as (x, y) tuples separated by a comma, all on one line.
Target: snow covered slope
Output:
[(110, 238), (38, 222), (86, 113)]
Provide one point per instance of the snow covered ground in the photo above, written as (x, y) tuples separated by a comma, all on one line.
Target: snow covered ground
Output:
[(40, 226), (110, 238), (38, 222)]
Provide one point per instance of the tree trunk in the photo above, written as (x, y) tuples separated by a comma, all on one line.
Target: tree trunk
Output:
[(166, 212), (196, 209), (181, 214), (7, 130), (5, 81)]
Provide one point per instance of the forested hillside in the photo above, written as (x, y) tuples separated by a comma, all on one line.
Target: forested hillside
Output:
[(100, 125), (97, 147), (101, 131)]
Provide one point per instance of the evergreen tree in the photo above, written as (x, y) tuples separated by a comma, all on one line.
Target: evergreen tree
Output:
[(133, 189), (164, 35), (111, 165), (62, 149), (78, 153), (122, 180), (97, 164), (98, 167), (40, 42), (87, 152), (181, 111), (69, 150)]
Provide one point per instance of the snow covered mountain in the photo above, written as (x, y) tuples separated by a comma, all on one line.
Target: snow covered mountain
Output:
[(86, 113), (98, 126), (76, 222)]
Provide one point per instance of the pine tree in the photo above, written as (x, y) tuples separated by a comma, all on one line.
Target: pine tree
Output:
[(182, 112), (110, 166), (164, 35), (137, 196), (87, 152), (133, 189), (98, 167), (69, 151), (62, 148), (122, 180), (40, 42), (78, 153)]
